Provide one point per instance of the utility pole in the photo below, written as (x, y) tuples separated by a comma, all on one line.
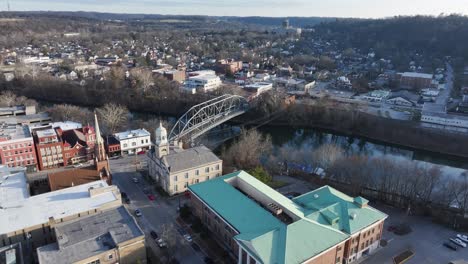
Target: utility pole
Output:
[(8, 5)]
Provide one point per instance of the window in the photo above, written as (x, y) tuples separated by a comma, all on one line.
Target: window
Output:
[(186, 175), (175, 178), (207, 169), (338, 260), (97, 261), (175, 188), (133, 144), (197, 181), (207, 178), (197, 172), (142, 142), (186, 185), (125, 145), (110, 256), (338, 248), (217, 167)]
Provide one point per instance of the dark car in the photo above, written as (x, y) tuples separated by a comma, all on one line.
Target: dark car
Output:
[(450, 246), (154, 235), (127, 200)]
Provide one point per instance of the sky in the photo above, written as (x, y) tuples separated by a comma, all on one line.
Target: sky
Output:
[(271, 8)]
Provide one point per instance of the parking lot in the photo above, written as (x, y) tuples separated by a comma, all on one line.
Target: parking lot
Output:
[(425, 241)]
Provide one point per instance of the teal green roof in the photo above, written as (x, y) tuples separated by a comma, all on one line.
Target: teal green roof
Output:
[(326, 203), (318, 223)]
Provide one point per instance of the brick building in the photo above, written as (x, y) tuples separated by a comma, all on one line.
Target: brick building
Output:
[(49, 148), (417, 81), (112, 146), (78, 144), (17, 147), (228, 66), (256, 224)]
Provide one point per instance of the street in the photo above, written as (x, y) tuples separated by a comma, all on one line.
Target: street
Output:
[(154, 213)]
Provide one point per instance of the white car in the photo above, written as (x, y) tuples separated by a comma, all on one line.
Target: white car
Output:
[(161, 243), (138, 213), (463, 238), (135, 180), (458, 242), (188, 238)]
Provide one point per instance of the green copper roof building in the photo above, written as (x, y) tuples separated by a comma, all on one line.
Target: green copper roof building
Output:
[(275, 229)]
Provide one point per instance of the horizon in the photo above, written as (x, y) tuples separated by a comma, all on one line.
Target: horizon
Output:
[(366, 9)]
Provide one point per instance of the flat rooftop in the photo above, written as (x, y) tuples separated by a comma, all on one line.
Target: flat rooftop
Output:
[(49, 132), (417, 75), (314, 227), (132, 134), (13, 185), (89, 236), (19, 212), (13, 132)]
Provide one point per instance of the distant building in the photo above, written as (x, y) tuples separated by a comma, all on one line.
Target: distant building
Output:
[(174, 169), (78, 144), (435, 115), (111, 236), (256, 224), (228, 66), (258, 88), (17, 110), (403, 98), (417, 81), (202, 81), (172, 75), (376, 96), (134, 141)]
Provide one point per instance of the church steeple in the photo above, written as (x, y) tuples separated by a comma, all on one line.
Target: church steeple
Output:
[(161, 143), (99, 150)]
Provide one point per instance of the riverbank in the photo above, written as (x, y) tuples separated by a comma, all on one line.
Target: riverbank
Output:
[(404, 134)]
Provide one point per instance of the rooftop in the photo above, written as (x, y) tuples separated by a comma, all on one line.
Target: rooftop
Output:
[(73, 177), (417, 75), (89, 236), (271, 240), (13, 132), (19, 212), (49, 132), (185, 159), (67, 125), (132, 134)]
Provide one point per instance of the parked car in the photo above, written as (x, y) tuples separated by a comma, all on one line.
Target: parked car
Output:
[(123, 194), (135, 180), (153, 234), (463, 238), (450, 246), (161, 243), (138, 213), (151, 197), (188, 238), (127, 200), (458, 242)]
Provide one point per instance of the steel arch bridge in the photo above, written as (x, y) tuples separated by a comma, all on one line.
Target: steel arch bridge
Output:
[(207, 115)]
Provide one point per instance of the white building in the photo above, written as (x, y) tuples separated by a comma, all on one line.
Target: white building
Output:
[(435, 115), (202, 81), (134, 141), (174, 168), (258, 88)]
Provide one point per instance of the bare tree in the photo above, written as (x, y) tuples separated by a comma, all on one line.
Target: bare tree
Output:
[(113, 116), (326, 155), (144, 78), (245, 153), (66, 112), (7, 99)]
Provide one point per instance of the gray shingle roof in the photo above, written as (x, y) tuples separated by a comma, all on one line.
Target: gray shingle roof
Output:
[(189, 158)]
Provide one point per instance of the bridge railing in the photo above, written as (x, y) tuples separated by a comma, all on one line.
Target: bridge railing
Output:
[(203, 117)]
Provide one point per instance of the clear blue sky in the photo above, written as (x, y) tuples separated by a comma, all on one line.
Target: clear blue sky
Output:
[(330, 8)]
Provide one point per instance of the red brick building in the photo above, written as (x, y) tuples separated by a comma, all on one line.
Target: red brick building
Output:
[(49, 148), (112, 146), (228, 66), (17, 147), (78, 144)]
